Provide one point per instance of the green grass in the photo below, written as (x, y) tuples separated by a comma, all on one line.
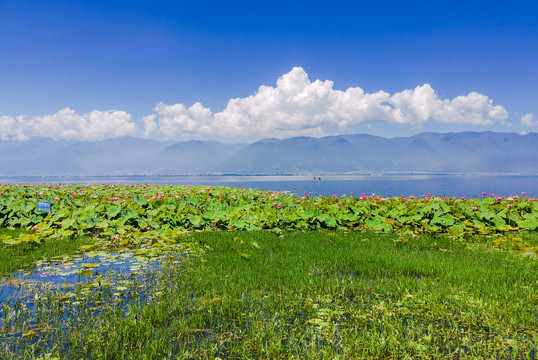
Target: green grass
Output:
[(25, 255), (320, 295)]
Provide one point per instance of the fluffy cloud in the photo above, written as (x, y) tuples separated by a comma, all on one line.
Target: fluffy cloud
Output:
[(178, 120), (527, 120), (297, 106), (11, 127), (7, 127), (67, 124), (150, 125)]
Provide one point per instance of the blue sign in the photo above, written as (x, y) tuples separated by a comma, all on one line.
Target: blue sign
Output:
[(44, 206)]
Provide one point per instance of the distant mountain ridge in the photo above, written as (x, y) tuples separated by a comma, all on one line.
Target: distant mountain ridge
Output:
[(463, 152)]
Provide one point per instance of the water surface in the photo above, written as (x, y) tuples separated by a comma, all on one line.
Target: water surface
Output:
[(395, 185)]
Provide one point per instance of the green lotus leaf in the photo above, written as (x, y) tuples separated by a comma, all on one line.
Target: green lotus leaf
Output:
[(140, 200), (102, 225), (112, 210), (529, 224)]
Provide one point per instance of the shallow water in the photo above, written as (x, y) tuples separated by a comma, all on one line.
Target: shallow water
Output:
[(83, 284), (449, 185), (63, 271)]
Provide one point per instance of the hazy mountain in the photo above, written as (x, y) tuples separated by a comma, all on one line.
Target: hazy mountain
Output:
[(425, 152)]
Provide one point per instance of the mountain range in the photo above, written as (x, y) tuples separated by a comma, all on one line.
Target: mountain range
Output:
[(463, 152)]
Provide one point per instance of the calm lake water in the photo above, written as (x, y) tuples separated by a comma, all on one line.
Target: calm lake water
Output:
[(395, 185)]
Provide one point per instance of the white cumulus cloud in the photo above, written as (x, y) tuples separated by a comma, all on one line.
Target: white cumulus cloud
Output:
[(298, 106), (295, 106), (150, 125), (12, 127), (7, 127), (527, 120), (179, 120), (67, 124)]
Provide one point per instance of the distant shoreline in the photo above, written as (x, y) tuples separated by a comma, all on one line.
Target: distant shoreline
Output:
[(281, 176)]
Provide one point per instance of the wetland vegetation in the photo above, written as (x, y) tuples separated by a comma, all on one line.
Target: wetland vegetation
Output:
[(134, 272)]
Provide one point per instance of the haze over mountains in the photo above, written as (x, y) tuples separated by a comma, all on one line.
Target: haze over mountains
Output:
[(465, 152)]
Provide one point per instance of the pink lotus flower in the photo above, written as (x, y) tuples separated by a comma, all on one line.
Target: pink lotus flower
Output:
[(298, 201), (340, 204), (485, 193), (474, 208), (56, 199), (509, 205), (428, 195), (275, 204), (523, 193), (279, 206), (499, 198), (407, 202), (220, 197), (363, 194), (35, 228), (262, 199), (315, 204)]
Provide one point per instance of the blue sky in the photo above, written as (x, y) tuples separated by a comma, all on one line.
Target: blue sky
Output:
[(169, 69)]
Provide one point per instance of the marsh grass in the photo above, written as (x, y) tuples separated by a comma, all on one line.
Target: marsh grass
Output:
[(313, 295), (25, 256), (327, 295), (47, 316)]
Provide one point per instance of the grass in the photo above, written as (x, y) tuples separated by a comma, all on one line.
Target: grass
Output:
[(318, 295), (25, 255)]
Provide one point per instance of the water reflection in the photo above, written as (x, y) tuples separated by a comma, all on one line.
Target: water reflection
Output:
[(63, 293)]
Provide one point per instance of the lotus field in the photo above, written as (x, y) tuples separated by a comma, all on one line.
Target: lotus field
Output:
[(198, 272), (130, 213)]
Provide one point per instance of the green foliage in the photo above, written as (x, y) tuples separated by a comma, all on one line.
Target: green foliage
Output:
[(25, 255), (309, 295), (148, 211)]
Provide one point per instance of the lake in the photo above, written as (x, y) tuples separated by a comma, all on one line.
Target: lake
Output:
[(385, 185)]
